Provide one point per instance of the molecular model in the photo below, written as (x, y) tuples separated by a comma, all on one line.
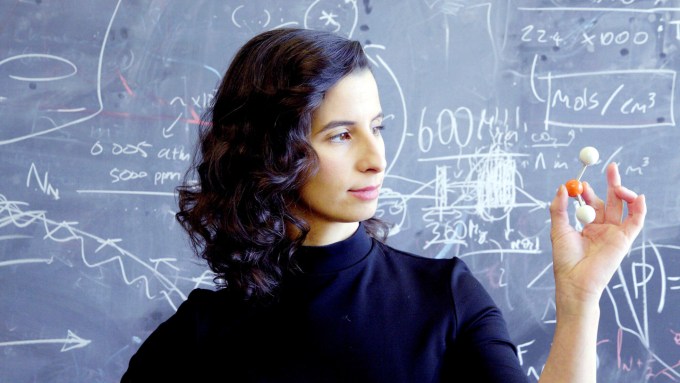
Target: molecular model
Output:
[(584, 213)]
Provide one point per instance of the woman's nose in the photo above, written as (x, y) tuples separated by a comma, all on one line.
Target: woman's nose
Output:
[(372, 154)]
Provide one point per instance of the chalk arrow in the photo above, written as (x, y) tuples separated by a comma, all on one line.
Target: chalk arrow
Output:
[(70, 342)]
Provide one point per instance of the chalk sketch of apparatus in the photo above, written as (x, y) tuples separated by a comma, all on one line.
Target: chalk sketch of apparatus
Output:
[(488, 187)]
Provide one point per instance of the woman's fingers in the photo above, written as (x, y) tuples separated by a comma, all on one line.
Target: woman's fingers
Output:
[(594, 201), (637, 210), (612, 210), (625, 194), (614, 206), (559, 215)]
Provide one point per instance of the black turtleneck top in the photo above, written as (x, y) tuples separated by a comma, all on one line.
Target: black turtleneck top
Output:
[(361, 311)]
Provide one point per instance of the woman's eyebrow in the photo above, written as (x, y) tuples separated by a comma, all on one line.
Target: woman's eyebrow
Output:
[(335, 124)]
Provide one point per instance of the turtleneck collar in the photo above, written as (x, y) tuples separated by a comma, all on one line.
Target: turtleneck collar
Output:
[(336, 256)]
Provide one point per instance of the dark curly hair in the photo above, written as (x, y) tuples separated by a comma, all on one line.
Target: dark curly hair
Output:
[(254, 156)]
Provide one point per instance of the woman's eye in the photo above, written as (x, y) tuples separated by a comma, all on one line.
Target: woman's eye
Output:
[(344, 136), (378, 129)]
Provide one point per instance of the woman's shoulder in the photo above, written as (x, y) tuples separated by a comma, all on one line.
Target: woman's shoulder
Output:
[(453, 262), (452, 271), (210, 302), (202, 297)]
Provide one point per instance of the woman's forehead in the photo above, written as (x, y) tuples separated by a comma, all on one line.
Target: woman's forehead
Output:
[(355, 97)]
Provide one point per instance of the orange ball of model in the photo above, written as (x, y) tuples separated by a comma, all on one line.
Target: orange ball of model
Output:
[(574, 187)]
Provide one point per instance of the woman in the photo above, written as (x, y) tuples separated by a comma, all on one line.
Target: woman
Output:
[(289, 171)]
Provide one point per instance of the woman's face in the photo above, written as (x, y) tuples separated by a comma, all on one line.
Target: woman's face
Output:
[(346, 135)]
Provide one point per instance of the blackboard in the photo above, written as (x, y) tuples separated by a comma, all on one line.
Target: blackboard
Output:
[(488, 105)]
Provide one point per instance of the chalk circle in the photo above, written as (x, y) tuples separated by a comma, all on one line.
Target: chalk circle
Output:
[(40, 56)]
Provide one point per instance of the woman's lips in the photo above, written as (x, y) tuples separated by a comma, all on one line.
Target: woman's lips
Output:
[(366, 194)]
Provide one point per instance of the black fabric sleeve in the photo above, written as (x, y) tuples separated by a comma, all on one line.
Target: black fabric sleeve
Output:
[(483, 346)]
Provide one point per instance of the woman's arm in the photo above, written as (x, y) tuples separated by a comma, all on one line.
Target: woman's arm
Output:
[(583, 264)]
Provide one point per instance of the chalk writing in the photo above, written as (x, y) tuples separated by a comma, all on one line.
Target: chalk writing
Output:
[(43, 184)]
